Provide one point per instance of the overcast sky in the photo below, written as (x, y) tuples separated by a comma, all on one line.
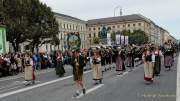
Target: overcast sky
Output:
[(165, 13)]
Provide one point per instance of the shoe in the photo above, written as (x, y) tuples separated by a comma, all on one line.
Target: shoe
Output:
[(76, 95), (100, 81), (84, 91)]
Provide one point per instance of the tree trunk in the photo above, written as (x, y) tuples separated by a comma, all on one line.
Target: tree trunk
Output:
[(15, 46)]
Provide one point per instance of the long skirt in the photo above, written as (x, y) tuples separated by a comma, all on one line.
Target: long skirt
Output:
[(168, 59), (148, 71), (28, 73), (97, 72), (129, 61), (120, 64), (157, 65), (60, 69)]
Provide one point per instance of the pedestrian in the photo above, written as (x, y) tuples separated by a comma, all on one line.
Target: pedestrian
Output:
[(78, 64), (157, 64), (96, 68), (149, 59), (29, 72), (60, 65)]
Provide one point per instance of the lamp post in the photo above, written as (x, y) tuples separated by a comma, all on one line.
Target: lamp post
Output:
[(118, 7)]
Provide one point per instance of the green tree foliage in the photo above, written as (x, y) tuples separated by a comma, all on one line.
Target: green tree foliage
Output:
[(29, 20), (96, 40)]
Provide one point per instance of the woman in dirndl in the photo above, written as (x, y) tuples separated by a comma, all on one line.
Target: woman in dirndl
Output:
[(149, 59), (60, 71), (96, 68), (168, 56), (29, 72), (157, 64), (120, 66)]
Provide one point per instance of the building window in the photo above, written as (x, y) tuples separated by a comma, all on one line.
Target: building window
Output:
[(94, 29), (99, 28), (118, 26), (89, 35), (134, 25), (70, 26), (124, 26), (128, 25), (94, 34), (67, 26), (113, 26), (89, 29), (139, 24), (64, 26)]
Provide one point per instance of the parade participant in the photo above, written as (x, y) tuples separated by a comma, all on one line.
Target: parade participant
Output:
[(168, 56), (149, 59), (29, 72), (19, 63), (59, 66), (120, 67), (96, 68), (157, 64), (103, 58), (78, 64), (130, 60)]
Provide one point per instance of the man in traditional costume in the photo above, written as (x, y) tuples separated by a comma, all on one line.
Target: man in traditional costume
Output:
[(96, 68), (149, 59), (78, 63)]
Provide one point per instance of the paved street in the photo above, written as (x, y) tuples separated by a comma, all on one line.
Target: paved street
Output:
[(128, 87)]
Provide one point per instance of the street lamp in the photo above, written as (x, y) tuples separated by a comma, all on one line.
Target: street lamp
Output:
[(118, 7)]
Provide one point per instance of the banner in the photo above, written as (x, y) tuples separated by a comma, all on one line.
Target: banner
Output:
[(108, 38), (126, 40), (118, 39), (122, 40)]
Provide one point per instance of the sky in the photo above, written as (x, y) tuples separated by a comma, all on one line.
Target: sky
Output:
[(165, 13)]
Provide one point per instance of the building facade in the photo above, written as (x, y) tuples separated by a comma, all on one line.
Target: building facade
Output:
[(128, 22)]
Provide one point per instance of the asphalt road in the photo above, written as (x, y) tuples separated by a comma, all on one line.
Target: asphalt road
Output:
[(128, 87)]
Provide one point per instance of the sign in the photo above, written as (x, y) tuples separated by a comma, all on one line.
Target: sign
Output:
[(126, 40), (2, 40), (73, 41), (118, 39), (108, 38), (122, 40)]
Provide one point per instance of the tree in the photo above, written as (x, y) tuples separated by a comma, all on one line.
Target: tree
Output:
[(15, 18), (43, 25), (29, 20)]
